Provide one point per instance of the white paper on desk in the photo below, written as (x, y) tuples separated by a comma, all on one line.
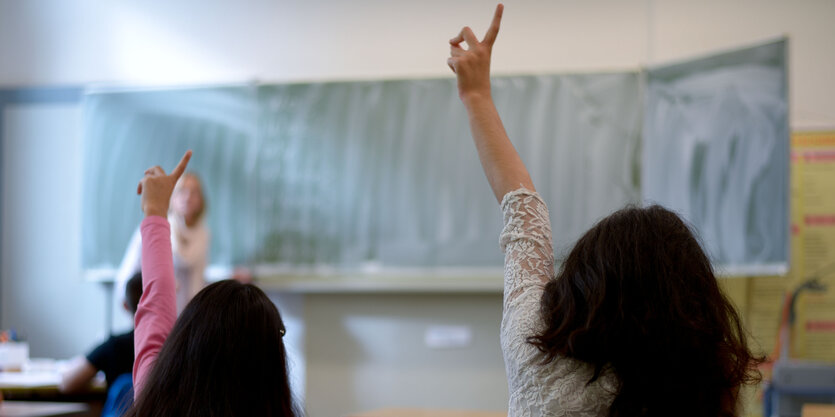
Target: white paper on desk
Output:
[(29, 379)]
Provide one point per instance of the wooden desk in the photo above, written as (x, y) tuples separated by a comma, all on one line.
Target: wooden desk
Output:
[(23, 386), (37, 392), (818, 410), (411, 412), (42, 409)]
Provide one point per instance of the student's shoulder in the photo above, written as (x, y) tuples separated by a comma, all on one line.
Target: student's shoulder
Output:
[(117, 341), (123, 340)]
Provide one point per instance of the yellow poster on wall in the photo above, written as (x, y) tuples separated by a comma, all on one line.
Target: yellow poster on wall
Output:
[(813, 243)]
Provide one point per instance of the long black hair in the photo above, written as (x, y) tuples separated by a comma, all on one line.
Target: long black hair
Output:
[(637, 295), (224, 357)]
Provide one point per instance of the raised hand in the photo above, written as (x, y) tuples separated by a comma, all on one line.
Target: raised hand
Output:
[(504, 169), (472, 65), (156, 187)]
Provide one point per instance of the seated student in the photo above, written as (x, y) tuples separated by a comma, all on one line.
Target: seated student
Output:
[(114, 357), (634, 323), (224, 355)]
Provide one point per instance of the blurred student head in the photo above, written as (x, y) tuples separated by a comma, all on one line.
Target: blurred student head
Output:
[(225, 356), (637, 295), (133, 292), (188, 199)]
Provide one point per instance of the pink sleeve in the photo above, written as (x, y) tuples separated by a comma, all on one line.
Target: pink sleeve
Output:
[(157, 308)]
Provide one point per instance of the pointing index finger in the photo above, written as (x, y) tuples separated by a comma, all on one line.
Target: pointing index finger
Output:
[(181, 167), (493, 30)]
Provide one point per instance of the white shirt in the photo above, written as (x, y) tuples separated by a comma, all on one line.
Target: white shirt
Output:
[(190, 246)]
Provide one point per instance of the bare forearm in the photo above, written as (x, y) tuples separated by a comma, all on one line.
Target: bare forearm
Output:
[(77, 376), (502, 165)]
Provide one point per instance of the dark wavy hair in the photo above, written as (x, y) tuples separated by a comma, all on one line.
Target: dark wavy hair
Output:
[(637, 296), (224, 357)]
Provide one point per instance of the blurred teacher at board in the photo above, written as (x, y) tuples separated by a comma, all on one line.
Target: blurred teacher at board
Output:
[(189, 241)]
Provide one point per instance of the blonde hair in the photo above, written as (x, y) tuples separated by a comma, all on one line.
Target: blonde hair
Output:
[(195, 177)]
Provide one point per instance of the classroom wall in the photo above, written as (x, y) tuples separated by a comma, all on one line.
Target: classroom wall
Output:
[(43, 295), (159, 42), (369, 351), (348, 341)]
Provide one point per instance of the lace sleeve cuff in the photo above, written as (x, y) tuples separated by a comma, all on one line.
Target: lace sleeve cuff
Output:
[(525, 216)]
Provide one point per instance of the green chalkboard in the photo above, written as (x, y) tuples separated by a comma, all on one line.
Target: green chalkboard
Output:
[(345, 176)]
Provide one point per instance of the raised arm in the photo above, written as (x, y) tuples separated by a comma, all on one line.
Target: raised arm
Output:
[(502, 165), (526, 237), (157, 310)]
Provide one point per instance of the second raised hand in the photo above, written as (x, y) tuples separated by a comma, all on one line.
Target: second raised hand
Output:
[(156, 187), (472, 65)]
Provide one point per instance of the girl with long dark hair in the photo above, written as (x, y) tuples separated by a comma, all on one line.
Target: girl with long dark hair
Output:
[(634, 324), (224, 355)]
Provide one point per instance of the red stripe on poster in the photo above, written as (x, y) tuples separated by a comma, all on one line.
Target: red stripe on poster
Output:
[(819, 220), (821, 326)]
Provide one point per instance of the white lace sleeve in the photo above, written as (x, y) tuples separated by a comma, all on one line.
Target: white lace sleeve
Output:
[(526, 242), (559, 388), (528, 265)]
